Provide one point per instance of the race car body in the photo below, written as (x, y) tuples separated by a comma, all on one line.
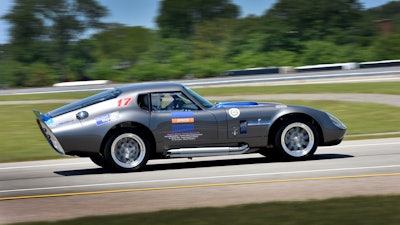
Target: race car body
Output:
[(124, 127)]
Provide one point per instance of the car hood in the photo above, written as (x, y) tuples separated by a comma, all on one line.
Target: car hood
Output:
[(247, 104)]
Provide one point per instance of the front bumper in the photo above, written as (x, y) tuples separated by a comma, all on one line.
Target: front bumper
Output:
[(48, 134)]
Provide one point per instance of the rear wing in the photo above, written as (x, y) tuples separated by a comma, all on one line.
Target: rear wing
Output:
[(43, 122)]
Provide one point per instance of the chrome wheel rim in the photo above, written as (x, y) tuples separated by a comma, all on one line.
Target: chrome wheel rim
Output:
[(128, 150), (297, 139)]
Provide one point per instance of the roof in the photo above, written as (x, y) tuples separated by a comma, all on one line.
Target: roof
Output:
[(152, 87)]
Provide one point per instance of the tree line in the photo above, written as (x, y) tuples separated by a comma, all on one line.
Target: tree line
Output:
[(198, 38)]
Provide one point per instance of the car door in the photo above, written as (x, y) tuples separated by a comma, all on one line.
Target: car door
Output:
[(177, 122)]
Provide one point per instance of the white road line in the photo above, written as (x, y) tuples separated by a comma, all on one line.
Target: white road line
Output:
[(38, 166), (365, 145), (197, 178)]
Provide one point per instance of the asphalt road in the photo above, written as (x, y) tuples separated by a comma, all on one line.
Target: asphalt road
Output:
[(68, 188)]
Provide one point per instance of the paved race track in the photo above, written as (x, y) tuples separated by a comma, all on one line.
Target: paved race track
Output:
[(68, 188)]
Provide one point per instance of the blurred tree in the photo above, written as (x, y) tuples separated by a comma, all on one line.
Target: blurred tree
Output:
[(387, 47), (314, 19), (81, 56), (246, 34), (124, 43), (177, 18), (55, 24), (390, 11), (321, 52), (27, 31), (163, 49), (210, 37)]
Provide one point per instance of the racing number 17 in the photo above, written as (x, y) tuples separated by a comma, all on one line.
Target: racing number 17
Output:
[(124, 102)]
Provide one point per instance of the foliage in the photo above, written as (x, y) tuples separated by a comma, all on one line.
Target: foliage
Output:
[(387, 47), (123, 43), (193, 39), (43, 31), (315, 19), (177, 18)]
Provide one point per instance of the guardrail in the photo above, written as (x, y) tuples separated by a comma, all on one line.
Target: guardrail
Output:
[(312, 68), (82, 83), (376, 64)]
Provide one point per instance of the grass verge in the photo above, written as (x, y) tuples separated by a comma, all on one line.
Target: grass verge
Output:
[(353, 211), (22, 140), (392, 88)]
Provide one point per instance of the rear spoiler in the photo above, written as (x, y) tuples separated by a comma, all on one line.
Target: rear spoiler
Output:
[(43, 122)]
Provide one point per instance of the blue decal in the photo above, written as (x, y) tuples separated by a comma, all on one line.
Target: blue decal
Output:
[(183, 128), (235, 104), (182, 114), (106, 118), (259, 123), (100, 120), (49, 121)]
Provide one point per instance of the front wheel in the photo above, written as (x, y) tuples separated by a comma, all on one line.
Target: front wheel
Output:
[(296, 140), (127, 150)]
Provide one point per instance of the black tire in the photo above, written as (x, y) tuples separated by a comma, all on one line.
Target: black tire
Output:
[(99, 160), (127, 150), (296, 139)]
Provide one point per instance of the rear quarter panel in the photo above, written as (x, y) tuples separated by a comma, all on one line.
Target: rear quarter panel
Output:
[(86, 135)]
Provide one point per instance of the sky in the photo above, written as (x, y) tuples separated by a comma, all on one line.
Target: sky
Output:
[(144, 12)]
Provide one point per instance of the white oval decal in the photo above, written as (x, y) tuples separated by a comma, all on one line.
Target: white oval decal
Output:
[(234, 112)]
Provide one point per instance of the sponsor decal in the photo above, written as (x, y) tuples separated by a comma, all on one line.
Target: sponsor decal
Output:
[(259, 122), (52, 123), (182, 122), (234, 112), (106, 118), (183, 128), (281, 106), (183, 136)]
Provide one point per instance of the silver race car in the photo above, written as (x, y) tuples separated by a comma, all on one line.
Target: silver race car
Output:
[(124, 127)]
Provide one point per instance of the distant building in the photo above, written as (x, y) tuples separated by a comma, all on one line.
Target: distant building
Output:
[(384, 26)]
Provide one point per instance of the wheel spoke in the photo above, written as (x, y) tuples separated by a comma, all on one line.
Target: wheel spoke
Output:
[(128, 150), (297, 139)]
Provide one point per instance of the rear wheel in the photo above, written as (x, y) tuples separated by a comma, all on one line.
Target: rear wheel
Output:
[(296, 139), (127, 150)]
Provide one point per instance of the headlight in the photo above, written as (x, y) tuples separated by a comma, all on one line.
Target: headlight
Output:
[(337, 122)]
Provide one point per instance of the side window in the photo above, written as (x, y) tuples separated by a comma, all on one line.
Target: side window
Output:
[(143, 102), (171, 101)]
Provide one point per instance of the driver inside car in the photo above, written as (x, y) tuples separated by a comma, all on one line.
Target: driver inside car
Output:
[(177, 103)]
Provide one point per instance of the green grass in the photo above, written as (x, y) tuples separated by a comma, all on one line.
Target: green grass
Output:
[(22, 140), (20, 136), (352, 211), (370, 88)]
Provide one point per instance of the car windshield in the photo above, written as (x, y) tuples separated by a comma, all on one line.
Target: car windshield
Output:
[(94, 99), (204, 102)]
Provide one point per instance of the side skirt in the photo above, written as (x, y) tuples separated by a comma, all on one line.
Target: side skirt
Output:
[(208, 151)]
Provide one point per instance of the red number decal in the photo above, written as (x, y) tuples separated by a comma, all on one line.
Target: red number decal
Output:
[(124, 102)]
